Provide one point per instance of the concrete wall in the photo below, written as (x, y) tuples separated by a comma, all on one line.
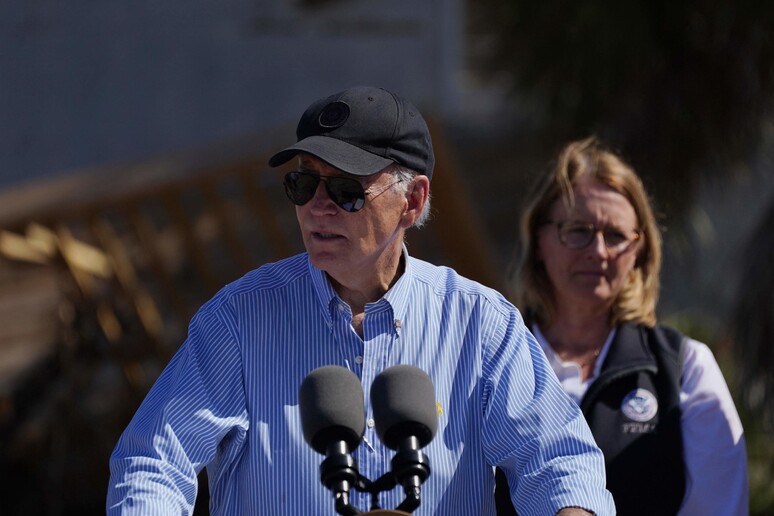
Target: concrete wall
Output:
[(86, 83)]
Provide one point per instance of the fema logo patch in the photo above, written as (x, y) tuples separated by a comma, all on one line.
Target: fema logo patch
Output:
[(640, 405), (333, 115)]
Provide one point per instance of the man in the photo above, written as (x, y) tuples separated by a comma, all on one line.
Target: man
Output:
[(229, 398)]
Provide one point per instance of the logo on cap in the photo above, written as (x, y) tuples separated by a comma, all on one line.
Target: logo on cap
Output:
[(639, 405), (333, 115)]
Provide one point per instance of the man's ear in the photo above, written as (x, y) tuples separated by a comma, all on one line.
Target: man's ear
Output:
[(416, 197)]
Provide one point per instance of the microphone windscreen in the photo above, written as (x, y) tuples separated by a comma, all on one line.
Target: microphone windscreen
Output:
[(404, 405), (332, 409)]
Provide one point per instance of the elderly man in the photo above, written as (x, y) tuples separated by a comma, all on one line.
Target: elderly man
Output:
[(228, 400)]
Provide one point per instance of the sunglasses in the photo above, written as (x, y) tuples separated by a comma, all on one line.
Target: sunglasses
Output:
[(347, 193)]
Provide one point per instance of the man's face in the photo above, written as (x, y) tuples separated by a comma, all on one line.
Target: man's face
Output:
[(351, 246)]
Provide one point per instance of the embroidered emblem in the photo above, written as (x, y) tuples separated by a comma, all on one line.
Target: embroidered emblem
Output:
[(439, 409), (640, 405), (333, 115)]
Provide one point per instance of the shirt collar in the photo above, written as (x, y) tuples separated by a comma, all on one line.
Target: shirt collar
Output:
[(556, 362), (397, 296), (324, 290)]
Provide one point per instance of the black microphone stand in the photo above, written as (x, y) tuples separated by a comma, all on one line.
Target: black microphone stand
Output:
[(338, 472), (410, 468)]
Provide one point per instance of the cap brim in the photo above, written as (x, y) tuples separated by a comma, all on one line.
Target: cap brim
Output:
[(344, 156)]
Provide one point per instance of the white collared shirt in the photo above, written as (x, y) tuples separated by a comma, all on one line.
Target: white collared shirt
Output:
[(713, 437)]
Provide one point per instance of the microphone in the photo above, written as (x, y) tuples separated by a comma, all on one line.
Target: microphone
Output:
[(333, 420), (406, 419)]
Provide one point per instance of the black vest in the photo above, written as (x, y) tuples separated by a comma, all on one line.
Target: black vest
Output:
[(633, 409)]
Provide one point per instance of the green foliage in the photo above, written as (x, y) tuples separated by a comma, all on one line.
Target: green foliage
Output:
[(760, 457), (676, 86), (680, 89), (758, 433)]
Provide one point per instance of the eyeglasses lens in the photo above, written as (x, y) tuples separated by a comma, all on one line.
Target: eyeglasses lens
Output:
[(348, 194), (577, 236)]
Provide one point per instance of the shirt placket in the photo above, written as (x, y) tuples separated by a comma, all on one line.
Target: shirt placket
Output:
[(350, 344), (373, 458)]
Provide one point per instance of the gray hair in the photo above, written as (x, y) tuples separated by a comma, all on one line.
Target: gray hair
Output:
[(405, 175)]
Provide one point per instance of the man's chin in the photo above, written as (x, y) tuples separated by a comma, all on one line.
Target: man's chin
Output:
[(325, 261)]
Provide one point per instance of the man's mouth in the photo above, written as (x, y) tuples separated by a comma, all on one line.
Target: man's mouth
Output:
[(325, 236)]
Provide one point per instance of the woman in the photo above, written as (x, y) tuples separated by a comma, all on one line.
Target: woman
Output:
[(657, 403)]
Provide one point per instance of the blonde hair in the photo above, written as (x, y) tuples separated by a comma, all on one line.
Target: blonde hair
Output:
[(587, 158)]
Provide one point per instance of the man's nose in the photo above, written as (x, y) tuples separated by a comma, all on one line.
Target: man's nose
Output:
[(321, 201)]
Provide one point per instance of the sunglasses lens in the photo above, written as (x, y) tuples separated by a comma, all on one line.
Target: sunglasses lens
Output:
[(300, 187), (348, 194)]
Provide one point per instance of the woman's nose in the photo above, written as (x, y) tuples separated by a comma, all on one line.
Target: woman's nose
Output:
[(599, 245)]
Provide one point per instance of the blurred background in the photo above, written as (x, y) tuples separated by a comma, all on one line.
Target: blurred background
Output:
[(133, 180)]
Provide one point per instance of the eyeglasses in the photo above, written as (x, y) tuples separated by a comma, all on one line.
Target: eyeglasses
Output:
[(577, 235), (347, 193)]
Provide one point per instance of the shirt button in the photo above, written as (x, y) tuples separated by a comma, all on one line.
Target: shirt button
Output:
[(358, 359), (370, 423)]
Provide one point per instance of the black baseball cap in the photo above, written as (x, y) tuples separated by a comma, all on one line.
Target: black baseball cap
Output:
[(361, 131)]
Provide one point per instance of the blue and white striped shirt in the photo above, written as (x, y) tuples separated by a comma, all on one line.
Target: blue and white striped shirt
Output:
[(228, 400)]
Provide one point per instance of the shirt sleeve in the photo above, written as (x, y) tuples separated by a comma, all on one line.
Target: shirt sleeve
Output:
[(535, 432), (713, 438), (196, 406)]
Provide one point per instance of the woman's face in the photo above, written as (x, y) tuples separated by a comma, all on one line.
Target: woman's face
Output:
[(590, 277)]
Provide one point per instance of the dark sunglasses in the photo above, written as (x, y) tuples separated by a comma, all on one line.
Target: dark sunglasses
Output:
[(347, 193)]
